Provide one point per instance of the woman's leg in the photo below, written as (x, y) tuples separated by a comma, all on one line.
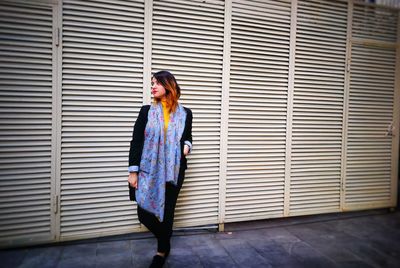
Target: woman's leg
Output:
[(150, 221), (171, 196), (163, 230)]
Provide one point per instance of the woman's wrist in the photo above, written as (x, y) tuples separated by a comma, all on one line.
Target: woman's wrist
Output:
[(133, 169), (189, 144)]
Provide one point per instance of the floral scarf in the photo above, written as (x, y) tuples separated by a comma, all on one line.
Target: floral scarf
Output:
[(160, 161)]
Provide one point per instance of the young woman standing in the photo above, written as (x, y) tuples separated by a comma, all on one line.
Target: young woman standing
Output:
[(162, 138)]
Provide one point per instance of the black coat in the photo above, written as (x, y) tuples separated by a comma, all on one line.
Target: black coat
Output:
[(137, 142)]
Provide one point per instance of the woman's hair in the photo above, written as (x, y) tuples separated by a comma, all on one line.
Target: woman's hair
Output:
[(172, 89)]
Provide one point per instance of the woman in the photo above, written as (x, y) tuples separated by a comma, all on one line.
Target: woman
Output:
[(162, 138)]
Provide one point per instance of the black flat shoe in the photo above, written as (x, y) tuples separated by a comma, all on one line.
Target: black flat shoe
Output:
[(158, 261)]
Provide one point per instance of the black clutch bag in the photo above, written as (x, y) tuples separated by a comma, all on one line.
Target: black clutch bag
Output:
[(132, 193)]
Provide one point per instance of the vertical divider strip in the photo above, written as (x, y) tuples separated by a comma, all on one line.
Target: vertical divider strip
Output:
[(224, 114), (148, 26), (396, 122), (56, 121), (346, 93), (289, 109)]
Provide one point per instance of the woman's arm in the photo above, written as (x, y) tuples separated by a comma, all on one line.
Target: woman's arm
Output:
[(137, 141), (188, 130)]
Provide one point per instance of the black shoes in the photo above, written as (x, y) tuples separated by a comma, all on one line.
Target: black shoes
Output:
[(158, 261)]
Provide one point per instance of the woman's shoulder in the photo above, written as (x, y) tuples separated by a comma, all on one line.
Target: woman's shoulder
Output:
[(144, 110), (188, 110), (145, 107)]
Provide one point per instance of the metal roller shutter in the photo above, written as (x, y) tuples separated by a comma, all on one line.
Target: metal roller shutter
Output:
[(26, 137), (188, 41), (257, 110), (371, 92), (318, 107), (101, 96)]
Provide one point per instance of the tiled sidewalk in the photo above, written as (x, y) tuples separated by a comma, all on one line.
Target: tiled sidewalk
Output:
[(366, 239)]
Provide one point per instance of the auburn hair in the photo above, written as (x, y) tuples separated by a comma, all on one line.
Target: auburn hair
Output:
[(172, 89)]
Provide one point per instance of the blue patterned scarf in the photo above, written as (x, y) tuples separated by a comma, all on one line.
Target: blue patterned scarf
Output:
[(161, 158)]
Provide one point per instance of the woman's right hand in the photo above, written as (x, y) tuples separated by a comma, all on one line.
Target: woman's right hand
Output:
[(132, 179)]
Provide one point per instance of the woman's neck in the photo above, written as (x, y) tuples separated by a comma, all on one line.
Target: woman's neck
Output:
[(164, 102)]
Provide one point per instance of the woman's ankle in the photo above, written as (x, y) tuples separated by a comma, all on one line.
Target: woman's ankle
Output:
[(162, 254), (163, 251)]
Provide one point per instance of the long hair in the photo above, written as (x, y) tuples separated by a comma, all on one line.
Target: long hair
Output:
[(172, 89)]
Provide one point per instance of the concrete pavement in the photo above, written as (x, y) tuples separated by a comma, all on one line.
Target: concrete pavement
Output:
[(356, 239)]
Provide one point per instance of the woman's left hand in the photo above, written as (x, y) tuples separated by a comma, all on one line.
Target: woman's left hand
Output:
[(186, 150)]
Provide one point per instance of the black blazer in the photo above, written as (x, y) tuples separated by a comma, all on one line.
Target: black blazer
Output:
[(135, 152)]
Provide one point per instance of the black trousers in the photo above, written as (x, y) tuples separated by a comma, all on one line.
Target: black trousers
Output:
[(163, 230)]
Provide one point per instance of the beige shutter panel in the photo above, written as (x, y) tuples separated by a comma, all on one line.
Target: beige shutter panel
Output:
[(318, 107), (257, 110), (188, 41), (372, 76), (26, 123), (102, 95)]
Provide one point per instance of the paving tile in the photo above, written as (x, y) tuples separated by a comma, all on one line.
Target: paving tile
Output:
[(372, 255), (226, 235), (143, 251), (318, 237), (114, 247), (354, 264), (12, 257), (250, 234), (374, 247), (42, 257), (280, 235), (218, 262), (390, 220), (275, 233), (371, 226), (114, 260), (79, 250), (367, 253), (352, 227), (274, 253), (384, 243), (184, 260), (308, 256), (79, 262), (307, 231), (209, 251), (187, 241), (243, 253), (182, 256)]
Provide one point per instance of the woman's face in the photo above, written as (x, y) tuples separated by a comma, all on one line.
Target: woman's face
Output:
[(157, 89)]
